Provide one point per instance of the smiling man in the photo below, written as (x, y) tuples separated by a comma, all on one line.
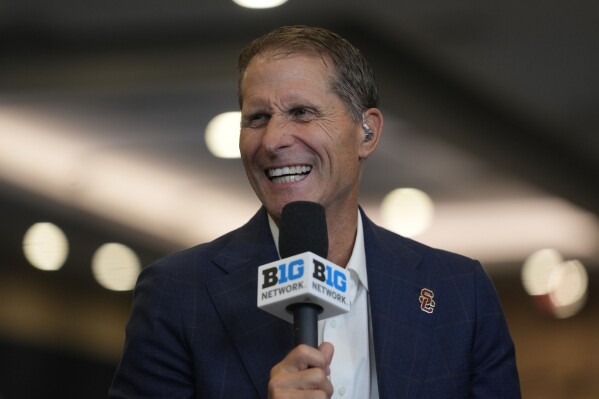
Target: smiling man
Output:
[(423, 322), (299, 141)]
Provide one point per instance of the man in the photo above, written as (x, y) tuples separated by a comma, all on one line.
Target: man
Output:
[(423, 322)]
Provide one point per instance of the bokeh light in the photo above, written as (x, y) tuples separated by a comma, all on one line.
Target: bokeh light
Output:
[(45, 246), (407, 211), (259, 3), (222, 135), (557, 287), (537, 270), (116, 267), (569, 287)]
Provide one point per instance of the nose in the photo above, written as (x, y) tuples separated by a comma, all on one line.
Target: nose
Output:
[(277, 135)]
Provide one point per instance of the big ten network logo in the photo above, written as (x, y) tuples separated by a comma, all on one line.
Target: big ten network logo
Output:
[(294, 270), (303, 278)]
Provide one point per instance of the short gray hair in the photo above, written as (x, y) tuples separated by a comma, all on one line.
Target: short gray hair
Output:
[(353, 78)]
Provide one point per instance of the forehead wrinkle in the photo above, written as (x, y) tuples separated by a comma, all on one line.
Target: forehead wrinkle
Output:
[(293, 92), (285, 100), (280, 54)]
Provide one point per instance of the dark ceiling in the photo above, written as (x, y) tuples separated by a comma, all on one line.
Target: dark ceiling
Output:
[(492, 108), (483, 100)]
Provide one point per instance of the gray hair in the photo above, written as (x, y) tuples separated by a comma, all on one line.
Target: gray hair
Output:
[(353, 79)]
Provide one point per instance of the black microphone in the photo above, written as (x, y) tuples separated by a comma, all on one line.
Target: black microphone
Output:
[(303, 286), (304, 229)]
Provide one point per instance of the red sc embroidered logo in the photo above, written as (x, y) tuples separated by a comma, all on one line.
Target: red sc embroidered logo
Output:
[(427, 304)]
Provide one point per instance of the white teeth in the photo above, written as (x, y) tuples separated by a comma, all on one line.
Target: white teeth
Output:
[(289, 174), (288, 170), (288, 179)]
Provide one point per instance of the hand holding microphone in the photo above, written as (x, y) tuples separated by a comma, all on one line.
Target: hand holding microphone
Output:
[(301, 288), (302, 373)]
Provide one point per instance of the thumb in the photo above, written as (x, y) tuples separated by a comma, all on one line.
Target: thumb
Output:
[(327, 350)]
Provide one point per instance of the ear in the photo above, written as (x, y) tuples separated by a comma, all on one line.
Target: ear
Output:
[(373, 118)]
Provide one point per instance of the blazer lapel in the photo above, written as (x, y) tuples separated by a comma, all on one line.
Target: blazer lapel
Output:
[(401, 329), (261, 339)]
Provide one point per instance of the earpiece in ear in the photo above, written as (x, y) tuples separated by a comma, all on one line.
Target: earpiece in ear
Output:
[(367, 132)]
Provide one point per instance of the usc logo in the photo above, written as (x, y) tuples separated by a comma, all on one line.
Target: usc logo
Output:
[(427, 304)]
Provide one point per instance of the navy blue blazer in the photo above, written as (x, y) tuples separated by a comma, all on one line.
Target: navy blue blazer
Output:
[(195, 330)]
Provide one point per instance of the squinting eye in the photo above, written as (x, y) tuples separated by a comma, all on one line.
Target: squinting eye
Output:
[(255, 120), (303, 114)]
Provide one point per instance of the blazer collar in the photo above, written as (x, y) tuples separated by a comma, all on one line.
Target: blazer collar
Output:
[(401, 330), (261, 339)]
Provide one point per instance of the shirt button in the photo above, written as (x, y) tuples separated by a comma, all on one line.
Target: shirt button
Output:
[(333, 323), (341, 391)]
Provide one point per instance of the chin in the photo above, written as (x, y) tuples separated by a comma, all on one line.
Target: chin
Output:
[(275, 209)]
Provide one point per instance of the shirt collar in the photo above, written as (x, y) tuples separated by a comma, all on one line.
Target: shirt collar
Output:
[(357, 261), (274, 230)]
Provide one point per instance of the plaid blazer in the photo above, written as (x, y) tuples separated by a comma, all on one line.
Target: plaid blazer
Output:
[(195, 330)]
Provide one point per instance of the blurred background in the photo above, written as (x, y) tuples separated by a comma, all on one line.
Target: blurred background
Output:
[(490, 149)]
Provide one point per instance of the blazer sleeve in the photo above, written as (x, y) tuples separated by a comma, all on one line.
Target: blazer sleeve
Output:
[(493, 368), (156, 359)]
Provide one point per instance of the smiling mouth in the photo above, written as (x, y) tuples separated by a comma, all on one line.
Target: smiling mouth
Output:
[(288, 174)]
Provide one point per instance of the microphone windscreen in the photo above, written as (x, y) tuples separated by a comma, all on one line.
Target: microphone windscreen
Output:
[(303, 228)]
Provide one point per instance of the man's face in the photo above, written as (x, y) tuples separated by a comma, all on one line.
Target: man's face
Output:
[(297, 140)]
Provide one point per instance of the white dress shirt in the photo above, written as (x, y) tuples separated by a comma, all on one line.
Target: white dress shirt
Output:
[(353, 371)]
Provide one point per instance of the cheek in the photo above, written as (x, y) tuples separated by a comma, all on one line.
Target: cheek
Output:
[(247, 146), (329, 129), (248, 164)]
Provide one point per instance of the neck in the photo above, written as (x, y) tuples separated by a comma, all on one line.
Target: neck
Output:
[(342, 236), (342, 226)]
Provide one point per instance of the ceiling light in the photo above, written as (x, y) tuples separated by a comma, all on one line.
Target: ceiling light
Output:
[(75, 166), (116, 267), (569, 285), (222, 135), (166, 200), (537, 270), (407, 211), (259, 3), (558, 287), (45, 246)]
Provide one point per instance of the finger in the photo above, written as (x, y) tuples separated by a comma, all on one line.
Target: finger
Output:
[(304, 369), (303, 357), (299, 395), (327, 349), (312, 382)]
